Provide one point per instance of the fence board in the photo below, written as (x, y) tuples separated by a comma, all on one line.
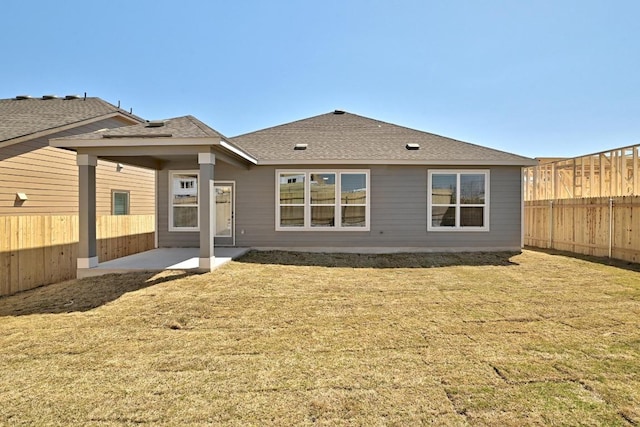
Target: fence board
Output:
[(583, 226), (5, 257), (39, 250), (47, 250), (14, 245)]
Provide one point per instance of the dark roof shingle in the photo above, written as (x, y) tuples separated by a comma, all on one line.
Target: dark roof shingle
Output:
[(178, 127), (341, 136), (22, 117)]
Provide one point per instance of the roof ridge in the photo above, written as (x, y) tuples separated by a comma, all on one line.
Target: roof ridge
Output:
[(409, 128), (439, 136), (204, 127), (343, 136), (118, 109), (284, 124), (344, 112), (436, 134)]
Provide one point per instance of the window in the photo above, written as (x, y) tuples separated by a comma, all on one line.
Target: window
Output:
[(458, 200), (292, 199), (183, 201), (353, 199), (120, 202), (322, 200)]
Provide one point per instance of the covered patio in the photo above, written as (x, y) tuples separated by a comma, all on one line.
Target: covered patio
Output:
[(183, 142), (162, 259)]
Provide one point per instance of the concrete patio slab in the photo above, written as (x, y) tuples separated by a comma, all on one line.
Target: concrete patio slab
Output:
[(161, 259)]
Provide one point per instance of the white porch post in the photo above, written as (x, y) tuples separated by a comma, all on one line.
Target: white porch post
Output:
[(207, 210), (87, 253)]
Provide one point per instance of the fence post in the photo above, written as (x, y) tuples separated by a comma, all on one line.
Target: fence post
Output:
[(550, 224), (610, 225)]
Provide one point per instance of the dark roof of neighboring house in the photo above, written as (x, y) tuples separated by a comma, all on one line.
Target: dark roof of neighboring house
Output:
[(343, 137), (178, 127), (24, 117)]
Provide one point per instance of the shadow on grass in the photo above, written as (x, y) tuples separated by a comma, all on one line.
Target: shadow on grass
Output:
[(397, 260), (626, 265), (81, 295)]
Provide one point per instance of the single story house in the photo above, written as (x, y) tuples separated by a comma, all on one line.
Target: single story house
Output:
[(334, 182)]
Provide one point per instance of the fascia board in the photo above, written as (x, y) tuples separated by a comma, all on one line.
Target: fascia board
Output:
[(132, 142)]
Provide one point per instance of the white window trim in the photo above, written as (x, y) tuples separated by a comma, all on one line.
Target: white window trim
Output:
[(457, 172), (307, 202), (113, 201), (171, 174)]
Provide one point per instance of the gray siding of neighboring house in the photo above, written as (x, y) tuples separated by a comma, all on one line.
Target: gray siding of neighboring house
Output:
[(398, 212)]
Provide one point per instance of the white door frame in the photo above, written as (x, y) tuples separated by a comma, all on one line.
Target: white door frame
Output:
[(233, 206)]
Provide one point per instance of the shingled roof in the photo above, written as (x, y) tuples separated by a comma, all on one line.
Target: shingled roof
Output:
[(185, 131), (343, 137), (24, 117), (178, 127)]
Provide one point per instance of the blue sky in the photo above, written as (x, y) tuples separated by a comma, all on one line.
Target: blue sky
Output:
[(537, 78)]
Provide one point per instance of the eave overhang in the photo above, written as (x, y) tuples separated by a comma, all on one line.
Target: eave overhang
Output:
[(451, 162), (149, 145)]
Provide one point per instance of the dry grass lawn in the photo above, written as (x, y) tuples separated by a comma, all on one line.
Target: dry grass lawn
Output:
[(300, 339)]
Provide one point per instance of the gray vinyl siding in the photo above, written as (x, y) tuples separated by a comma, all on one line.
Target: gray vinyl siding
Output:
[(398, 212), (49, 177), (166, 238)]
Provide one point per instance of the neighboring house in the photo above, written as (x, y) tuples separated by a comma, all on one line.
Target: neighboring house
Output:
[(48, 176), (39, 189), (334, 182)]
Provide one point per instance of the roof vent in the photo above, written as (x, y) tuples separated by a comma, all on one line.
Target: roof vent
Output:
[(155, 123), (412, 146), (300, 147), (23, 97), (72, 97), (50, 97), (338, 112)]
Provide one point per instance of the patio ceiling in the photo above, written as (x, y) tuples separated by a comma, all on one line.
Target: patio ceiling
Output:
[(155, 157)]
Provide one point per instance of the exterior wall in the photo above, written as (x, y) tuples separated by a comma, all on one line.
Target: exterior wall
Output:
[(49, 177), (140, 183), (398, 212), (174, 239)]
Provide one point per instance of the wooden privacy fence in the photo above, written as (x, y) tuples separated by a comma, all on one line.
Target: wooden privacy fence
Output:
[(602, 226), (39, 250)]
